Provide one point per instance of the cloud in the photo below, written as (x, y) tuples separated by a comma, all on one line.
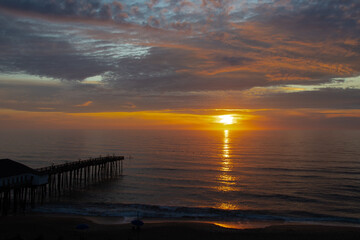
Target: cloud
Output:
[(307, 119), (171, 54), (85, 104)]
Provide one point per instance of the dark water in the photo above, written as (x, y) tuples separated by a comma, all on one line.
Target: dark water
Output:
[(228, 175)]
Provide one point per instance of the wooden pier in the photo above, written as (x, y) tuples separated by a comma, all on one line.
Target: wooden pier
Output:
[(21, 186)]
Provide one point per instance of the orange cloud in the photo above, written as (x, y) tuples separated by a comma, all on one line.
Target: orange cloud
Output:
[(85, 104)]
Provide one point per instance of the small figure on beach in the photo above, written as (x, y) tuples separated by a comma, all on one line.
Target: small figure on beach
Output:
[(137, 223)]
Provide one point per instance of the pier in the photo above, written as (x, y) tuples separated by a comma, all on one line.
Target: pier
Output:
[(21, 186)]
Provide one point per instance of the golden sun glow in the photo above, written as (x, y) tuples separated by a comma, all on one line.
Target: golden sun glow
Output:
[(196, 120), (226, 119)]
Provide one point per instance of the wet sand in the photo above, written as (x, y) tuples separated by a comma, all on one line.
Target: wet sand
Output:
[(64, 227)]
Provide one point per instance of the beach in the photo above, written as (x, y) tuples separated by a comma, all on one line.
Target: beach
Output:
[(64, 227)]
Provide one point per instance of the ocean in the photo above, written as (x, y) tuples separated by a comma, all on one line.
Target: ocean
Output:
[(287, 176)]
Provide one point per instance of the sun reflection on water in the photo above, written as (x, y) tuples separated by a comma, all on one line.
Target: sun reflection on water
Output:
[(226, 150), (228, 206), (225, 179)]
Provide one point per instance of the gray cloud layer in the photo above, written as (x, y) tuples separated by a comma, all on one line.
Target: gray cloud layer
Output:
[(178, 54)]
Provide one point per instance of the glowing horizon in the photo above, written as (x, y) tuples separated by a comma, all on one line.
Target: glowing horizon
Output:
[(199, 120)]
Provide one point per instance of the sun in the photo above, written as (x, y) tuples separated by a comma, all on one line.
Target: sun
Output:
[(226, 119)]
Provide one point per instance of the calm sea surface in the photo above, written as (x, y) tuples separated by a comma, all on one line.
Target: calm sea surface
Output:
[(227, 175)]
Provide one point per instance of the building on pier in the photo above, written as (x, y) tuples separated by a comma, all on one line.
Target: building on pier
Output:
[(14, 173)]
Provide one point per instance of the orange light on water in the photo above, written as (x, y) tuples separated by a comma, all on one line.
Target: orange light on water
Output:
[(226, 180), (228, 206), (226, 150)]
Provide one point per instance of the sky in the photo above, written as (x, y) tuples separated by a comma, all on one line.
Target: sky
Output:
[(167, 64)]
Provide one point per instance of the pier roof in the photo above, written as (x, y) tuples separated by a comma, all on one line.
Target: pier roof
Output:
[(10, 168)]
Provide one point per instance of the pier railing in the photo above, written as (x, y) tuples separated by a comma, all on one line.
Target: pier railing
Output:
[(69, 166), (80, 173)]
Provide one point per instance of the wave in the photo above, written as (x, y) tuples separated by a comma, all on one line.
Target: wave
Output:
[(196, 213)]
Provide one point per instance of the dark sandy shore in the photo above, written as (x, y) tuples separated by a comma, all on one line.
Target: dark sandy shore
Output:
[(64, 227)]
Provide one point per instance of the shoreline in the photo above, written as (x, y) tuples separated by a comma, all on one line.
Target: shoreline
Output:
[(55, 226), (234, 224)]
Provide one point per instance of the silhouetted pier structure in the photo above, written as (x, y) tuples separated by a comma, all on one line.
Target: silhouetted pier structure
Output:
[(21, 186)]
